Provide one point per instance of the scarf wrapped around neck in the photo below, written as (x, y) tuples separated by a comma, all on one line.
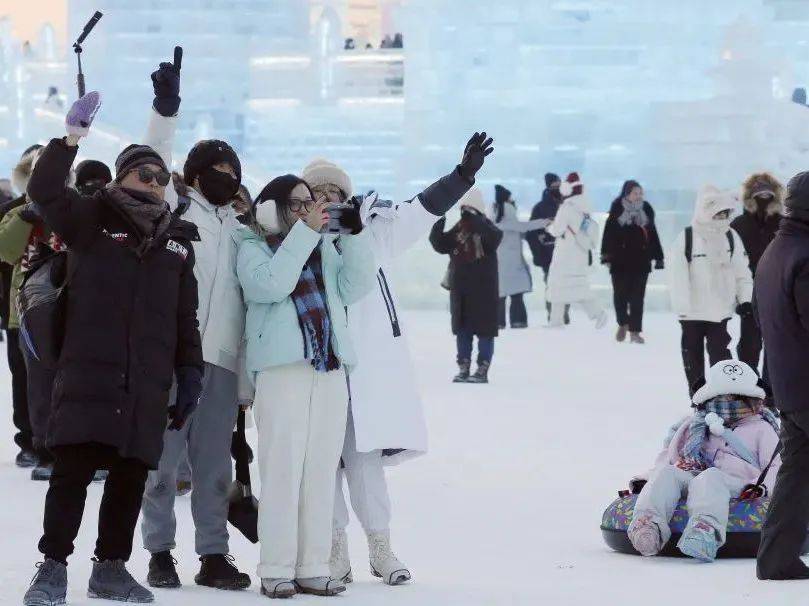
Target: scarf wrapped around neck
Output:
[(634, 213), (469, 244), (309, 298), (148, 214)]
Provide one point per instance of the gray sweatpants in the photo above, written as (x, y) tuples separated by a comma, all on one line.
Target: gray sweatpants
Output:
[(207, 435)]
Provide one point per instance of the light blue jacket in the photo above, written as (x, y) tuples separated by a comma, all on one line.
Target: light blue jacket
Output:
[(272, 330)]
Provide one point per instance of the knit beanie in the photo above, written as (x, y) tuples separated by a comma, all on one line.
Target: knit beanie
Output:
[(474, 199), (572, 186), (205, 154), (551, 178), (797, 200), (323, 172), (501, 194), (134, 156), (90, 170)]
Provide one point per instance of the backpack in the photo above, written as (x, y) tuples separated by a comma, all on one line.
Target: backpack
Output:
[(689, 243)]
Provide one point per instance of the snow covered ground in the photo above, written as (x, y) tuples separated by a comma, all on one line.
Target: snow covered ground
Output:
[(506, 507)]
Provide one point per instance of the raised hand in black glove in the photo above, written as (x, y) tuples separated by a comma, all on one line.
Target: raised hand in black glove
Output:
[(659, 264), (753, 491), (189, 388), (477, 148), (166, 83), (30, 214), (745, 310)]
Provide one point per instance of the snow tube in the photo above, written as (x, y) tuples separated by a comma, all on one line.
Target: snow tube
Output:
[(744, 527)]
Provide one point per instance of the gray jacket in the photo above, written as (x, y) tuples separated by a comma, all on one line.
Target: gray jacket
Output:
[(515, 276)]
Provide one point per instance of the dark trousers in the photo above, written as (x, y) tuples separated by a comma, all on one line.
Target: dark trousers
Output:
[(19, 396), (629, 293), (750, 342), (40, 387), (73, 470), (517, 314), (788, 517), (697, 336), (545, 272), (464, 341)]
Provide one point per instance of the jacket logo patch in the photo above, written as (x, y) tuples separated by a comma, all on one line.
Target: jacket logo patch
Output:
[(117, 236), (178, 248)]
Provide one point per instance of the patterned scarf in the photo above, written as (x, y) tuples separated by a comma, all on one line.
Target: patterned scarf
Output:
[(309, 297), (633, 214), (469, 245), (35, 241), (692, 456)]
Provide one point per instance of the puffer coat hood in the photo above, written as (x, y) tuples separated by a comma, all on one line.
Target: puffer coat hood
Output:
[(21, 173)]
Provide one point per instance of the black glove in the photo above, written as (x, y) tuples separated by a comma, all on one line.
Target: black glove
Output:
[(166, 83), (753, 491), (635, 486), (745, 310), (659, 264), (477, 148), (189, 388), (30, 214), (350, 219)]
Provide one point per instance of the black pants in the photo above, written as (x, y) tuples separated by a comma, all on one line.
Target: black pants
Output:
[(696, 337), (19, 396), (788, 517), (750, 342), (40, 387), (517, 314), (629, 293), (73, 470), (545, 272)]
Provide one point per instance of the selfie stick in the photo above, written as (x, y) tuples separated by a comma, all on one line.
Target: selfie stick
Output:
[(77, 48)]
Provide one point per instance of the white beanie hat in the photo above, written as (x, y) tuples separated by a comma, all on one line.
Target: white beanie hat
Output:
[(474, 199), (730, 377), (322, 172)]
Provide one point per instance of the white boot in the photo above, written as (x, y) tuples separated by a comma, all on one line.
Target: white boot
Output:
[(339, 562), (384, 563)]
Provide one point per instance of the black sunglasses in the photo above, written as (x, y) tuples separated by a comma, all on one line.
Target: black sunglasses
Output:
[(147, 174)]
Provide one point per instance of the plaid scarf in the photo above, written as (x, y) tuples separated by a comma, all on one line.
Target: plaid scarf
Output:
[(469, 244), (309, 297), (732, 412), (36, 240)]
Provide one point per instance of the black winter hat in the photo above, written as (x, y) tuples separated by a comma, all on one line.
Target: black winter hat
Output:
[(134, 156), (89, 170), (798, 194), (551, 178), (205, 154), (501, 194)]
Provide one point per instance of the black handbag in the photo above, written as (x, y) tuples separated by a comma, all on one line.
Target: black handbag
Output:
[(243, 507)]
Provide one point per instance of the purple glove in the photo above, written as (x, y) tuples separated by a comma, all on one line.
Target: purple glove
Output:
[(81, 114)]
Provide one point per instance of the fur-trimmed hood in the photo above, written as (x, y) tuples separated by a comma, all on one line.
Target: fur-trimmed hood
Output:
[(21, 173), (758, 182)]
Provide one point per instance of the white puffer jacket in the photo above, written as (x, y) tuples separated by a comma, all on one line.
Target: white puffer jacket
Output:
[(576, 236)]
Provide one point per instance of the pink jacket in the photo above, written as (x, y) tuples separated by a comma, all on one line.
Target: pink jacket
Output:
[(759, 437)]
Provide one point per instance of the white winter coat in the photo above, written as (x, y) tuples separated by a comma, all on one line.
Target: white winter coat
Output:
[(221, 309), (576, 236), (512, 270), (715, 282)]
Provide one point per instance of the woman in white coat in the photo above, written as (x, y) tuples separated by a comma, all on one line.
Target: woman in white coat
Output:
[(576, 236)]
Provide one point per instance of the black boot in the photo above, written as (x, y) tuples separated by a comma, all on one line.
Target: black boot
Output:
[(26, 458), (218, 571), (162, 572), (481, 374), (463, 372)]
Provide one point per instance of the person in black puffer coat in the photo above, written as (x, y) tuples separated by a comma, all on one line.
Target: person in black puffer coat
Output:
[(630, 245), (130, 325), (757, 225)]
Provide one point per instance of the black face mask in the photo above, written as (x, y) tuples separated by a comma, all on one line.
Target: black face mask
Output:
[(218, 188)]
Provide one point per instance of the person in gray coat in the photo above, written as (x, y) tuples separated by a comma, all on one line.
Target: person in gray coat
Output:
[(515, 276)]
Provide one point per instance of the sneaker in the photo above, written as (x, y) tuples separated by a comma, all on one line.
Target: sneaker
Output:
[(219, 571), (101, 475), (42, 473), (637, 338), (26, 458), (699, 541), (162, 571), (620, 336), (645, 536), (278, 588), (322, 586), (110, 580), (601, 320), (49, 585), (183, 487), (384, 564), (339, 562), (481, 374), (463, 372)]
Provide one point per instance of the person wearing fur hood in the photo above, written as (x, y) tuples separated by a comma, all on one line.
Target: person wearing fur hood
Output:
[(709, 280), (716, 454), (762, 196)]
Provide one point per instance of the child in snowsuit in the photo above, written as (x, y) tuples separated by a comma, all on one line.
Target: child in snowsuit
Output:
[(716, 454)]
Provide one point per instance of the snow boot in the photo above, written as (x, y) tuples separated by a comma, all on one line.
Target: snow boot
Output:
[(339, 562), (322, 586), (26, 458), (637, 338), (100, 475), (699, 541), (183, 487), (110, 580), (162, 572), (42, 472), (645, 536), (620, 336), (481, 374), (463, 372), (384, 564), (219, 572), (49, 585), (278, 588), (519, 325)]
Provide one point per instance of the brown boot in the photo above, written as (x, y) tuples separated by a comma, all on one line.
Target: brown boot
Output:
[(620, 336), (636, 337)]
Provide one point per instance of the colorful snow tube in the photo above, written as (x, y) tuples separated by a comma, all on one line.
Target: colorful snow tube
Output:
[(744, 527)]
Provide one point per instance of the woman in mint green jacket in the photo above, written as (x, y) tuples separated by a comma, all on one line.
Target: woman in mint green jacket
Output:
[(297, 284)]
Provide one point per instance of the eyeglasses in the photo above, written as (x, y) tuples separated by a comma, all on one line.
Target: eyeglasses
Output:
[(147, 174), (297, 204)]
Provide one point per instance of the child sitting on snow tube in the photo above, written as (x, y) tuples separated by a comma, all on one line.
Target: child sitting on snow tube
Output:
[(716, 454)]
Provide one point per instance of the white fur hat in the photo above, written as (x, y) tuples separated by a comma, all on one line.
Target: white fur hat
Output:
[(474, 199), (730, 377), (21, 173), (322, 172)]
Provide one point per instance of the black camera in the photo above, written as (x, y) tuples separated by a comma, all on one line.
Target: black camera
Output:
[(344, 219)]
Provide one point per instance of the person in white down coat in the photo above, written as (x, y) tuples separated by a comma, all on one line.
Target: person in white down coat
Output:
[(709, 280), (385, 420), (576, 236)]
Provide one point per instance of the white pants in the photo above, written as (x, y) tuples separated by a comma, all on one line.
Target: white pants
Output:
[(301, 417), (708, 496), (366, 487), (591, 307)]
